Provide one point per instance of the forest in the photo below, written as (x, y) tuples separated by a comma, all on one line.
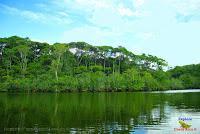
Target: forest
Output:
[(30, 66)]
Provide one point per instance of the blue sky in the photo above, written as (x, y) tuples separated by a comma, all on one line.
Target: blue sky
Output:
[(169, 29)]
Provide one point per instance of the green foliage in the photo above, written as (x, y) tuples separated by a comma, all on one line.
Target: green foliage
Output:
[(150, 83), (176, 84), (96, 68), (188, 75), (28, 66), (133, 80), (115, 82)]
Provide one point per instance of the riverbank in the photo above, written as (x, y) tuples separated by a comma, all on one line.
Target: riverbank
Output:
[(110, 91)]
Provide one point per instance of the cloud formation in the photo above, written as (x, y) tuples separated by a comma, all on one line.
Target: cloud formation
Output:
[(148, 26), (124, 11), (40, 17), (187, 10), (138, 3)]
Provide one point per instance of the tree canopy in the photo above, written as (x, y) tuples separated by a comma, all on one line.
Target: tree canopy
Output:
[(27, 65)]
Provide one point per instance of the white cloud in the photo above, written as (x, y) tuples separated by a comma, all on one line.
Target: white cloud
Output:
[(106, 22), (186, 10), (147, 35), (36, 16), (31, 15), (89, 34), (187, 6), (93, 3), (138, 3), (64, 14), (24, 13), (82, 5), (124, 11)]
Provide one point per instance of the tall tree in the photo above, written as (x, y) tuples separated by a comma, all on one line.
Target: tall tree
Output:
[(23, 51), (59, 50)]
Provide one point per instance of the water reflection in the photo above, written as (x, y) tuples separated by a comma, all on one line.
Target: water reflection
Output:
[(98, 112)]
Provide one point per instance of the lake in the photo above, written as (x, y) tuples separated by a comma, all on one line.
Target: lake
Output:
[(137, 112)]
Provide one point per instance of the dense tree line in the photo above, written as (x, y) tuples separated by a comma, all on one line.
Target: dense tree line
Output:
[(189, 75), (31, 66)]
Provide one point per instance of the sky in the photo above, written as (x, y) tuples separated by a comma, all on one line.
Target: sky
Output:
[(169, 29)]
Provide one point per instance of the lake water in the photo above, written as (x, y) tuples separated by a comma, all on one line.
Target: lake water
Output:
[(140, 113)]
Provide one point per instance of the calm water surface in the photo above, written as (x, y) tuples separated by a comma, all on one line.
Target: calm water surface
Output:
[(140, 113)]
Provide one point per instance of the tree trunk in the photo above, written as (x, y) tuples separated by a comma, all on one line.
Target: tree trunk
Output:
[(113, 67), (104, 65), (56, 74), (119, 65)]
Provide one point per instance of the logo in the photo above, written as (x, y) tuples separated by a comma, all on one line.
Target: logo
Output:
[(185, 124)]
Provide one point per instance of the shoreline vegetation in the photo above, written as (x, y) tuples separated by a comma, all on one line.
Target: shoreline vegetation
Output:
[(93, 92), (29, 66)]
